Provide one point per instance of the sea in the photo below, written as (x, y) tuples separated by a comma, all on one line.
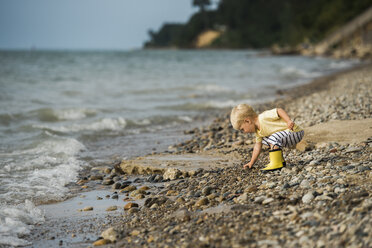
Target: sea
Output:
[(64, 111)]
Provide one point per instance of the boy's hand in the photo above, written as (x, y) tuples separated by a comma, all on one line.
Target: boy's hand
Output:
[(290, 124), (248, 165)]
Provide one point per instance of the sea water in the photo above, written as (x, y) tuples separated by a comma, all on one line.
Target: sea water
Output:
[(62, 111)]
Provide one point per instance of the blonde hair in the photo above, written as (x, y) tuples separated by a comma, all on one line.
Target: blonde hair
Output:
[(239, 113)]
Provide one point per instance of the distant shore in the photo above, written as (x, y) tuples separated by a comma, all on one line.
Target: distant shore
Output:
[(321, 199)]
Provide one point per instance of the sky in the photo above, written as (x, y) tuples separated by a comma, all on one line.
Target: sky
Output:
[(86, 24)]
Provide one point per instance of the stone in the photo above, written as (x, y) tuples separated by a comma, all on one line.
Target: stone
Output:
[(128, 189), (135, 233), (144, 188), (133, 210), (88, 209), (202, 202), (112, 208), (96, 177), (251, 189), (206, 190), (111, 234), (259, 199), (158, 200), (267, 201), (171, 193), (130, 205), (242, 199), (305, 184), (183, 215), (172, 174), (116, 185), (353, 149), (323, 198), (101, 242), (108, 182), (307, 198)]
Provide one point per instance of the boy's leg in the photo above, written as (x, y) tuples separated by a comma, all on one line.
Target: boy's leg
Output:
[(275, 154)]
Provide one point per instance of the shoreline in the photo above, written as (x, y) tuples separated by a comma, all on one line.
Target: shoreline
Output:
[(191, 207)]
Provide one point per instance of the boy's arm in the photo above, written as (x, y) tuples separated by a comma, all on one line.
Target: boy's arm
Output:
[(285, 117), (256, 151)]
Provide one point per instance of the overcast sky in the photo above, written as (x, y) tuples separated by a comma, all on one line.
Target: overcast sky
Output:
[(85, 24)]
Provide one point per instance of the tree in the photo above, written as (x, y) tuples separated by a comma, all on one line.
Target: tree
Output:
[(202, 4)]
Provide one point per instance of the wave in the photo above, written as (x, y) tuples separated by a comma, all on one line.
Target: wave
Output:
[(109, 124), (293, 73), (39, 175), (206, 88), (17, 221), (48, 115), (52, 115), (206, 105)]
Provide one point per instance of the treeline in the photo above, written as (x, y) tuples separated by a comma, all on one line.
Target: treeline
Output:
[(260, 23)]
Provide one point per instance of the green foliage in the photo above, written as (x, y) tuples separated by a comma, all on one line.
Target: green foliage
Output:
[(261, 23)]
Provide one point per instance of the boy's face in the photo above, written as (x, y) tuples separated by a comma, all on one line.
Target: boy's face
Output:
[(247, 126)]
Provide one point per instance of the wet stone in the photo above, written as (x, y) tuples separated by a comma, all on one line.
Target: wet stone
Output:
[(107, 182), (130, 205)]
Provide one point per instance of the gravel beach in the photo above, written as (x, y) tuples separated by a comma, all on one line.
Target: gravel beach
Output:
[(322, 198)]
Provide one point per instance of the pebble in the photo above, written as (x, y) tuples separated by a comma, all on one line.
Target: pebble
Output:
[(88, 209), (101, 242), (307, 198), (202, 202), (112, 208), (111, 234), (131, 205)]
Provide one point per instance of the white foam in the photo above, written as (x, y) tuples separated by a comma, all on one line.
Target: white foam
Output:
[(185, 118), (292, 71), (112, 124), (72, 114), (18, 220), (38, 174), (213, 88), (340, 64)]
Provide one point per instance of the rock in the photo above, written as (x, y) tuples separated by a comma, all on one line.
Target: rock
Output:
[(128, 189), (202, 202), (101, 242), (251, 189), (88, 209), (112, 208), (108, 182), (96, 177), (159, 201), (259, 199), (144, 188), (116, 185), (137, 192), (171, 193), (183, 215), (267, 201), (135, 233), (111, 234), (305, 184), (172, 174), (130, 205), (308, 198), (242, 199), (206, 190), (323, 198), (353, 149), (304, 146), (133, 210)]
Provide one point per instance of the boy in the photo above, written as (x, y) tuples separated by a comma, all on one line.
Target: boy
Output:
[(273, 128)]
